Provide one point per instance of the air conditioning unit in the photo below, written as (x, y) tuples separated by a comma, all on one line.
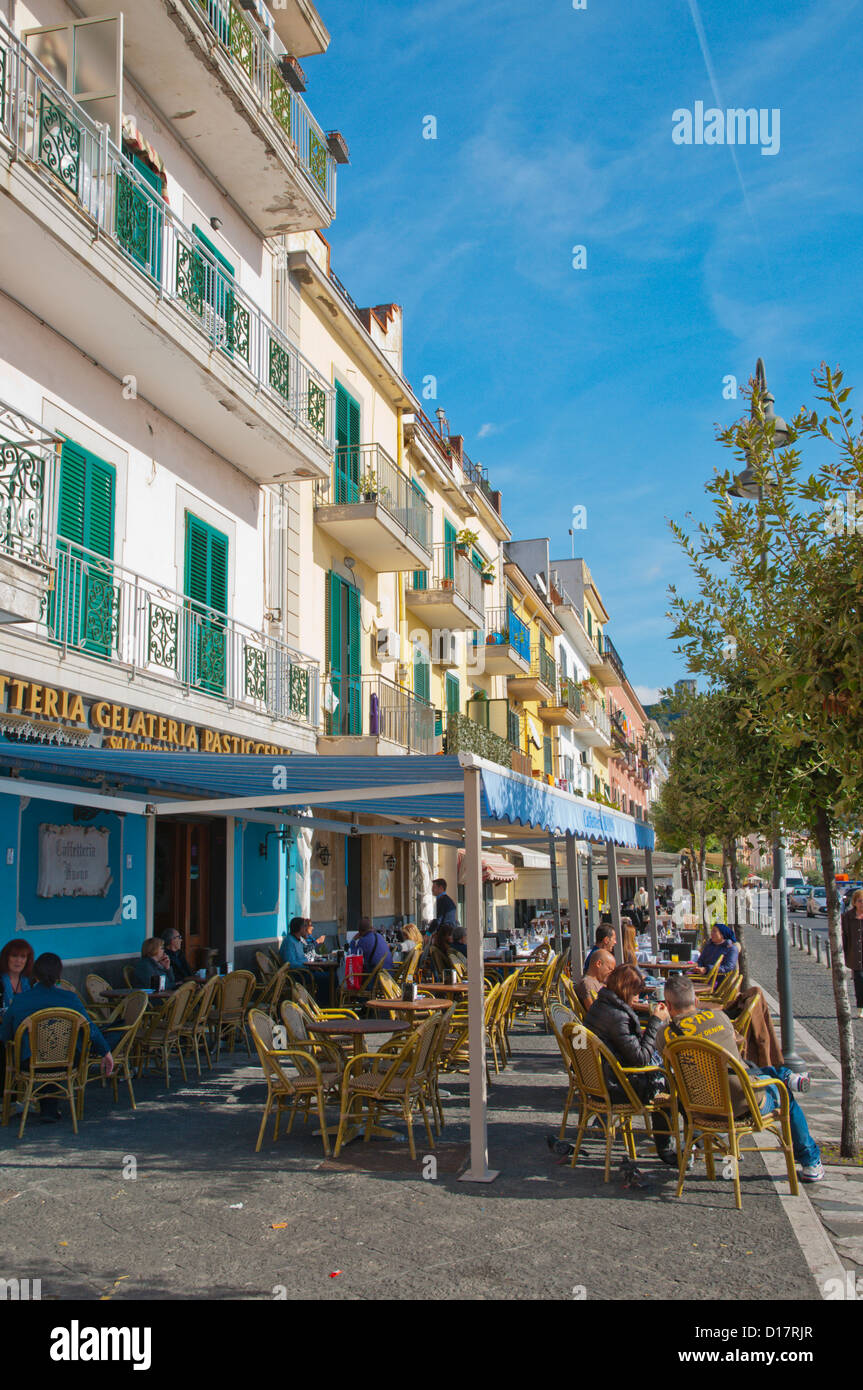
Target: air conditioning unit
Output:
[(387, 644), (445, 647)]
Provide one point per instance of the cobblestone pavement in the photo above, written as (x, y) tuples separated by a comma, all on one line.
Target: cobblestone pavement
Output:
[(207, 1217)]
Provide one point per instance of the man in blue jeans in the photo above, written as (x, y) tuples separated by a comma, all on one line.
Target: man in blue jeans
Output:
[(711, 1024)]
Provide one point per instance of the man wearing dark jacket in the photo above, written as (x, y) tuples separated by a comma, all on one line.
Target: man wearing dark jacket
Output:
[(180, 967), (446, 913), (612, 1018)]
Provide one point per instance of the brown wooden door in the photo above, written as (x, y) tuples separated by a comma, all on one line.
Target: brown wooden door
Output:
[(182, 885)]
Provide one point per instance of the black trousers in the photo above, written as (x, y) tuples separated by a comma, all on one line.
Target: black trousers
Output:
[(858, 988)]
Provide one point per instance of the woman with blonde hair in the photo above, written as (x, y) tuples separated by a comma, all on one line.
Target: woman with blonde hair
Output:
[(153, 964), (630, 944), (411, 932)]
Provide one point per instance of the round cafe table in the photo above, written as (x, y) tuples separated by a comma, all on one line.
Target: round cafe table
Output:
[(411, 1008), (460, 988), (356, 1029)]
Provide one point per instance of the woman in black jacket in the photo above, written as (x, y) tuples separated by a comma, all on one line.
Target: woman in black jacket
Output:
[(614, 1021)]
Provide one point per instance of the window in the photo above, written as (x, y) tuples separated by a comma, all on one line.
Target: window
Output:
[(547, 755), (85, 604), (344, 648), (86, 57), (589, 623), (206, 588), (347, 466), (449, 535)]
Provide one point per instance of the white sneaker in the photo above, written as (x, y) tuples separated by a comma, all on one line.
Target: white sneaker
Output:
[(800, 1081), (860, 1013), (813, 1174)]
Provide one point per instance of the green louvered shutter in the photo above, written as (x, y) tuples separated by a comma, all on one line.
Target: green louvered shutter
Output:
[(217, 291), (449, 535), (420, 577), (354, 672), (347, 447), (422, 675), (336, 717), (206, 584), (85, 605), (453, 694), (547, 755)]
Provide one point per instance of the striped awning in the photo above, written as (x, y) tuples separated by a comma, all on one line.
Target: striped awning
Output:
[(495, 869)]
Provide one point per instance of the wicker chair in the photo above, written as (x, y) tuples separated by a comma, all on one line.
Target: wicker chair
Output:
[(584, 1055), (311, 1081), (708, 984), (411, 966), (312, 1008), (264, 962), (534, 988), (558, 1017), (97, 1004), (389, 1082), (159, 1034), (59, 1042), (327, 1053), (571, 999), (128, 976), (701, 1073), (233, 1002), (726, 993), (365, 990), (128, 1020), (743, 1022), (196, 1023), (276, 987)]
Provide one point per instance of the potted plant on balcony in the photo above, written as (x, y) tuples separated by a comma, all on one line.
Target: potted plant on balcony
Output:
[(487, 572), (464, 540), (369, 485), (289, 68)]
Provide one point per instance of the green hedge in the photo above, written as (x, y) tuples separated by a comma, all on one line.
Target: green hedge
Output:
[(464, 735)]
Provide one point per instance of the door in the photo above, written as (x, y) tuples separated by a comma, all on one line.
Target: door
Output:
[(206, 589), (189, 886), (139, 217), (84, 608), (449, 535), (420, 577), (453, 694), (347, 463), (210, 293)]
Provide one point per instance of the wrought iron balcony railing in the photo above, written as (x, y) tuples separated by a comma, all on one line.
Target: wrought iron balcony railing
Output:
[(610, 651), (56, 135), (27, 459), (241, 37), (368, 474), (451, 570), (570, 695), (372, 706), (107, 612), (504, 625), (543, 665)]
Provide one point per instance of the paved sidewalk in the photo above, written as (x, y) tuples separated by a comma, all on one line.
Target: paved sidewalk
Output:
[(838, 1200), (208, 1218)]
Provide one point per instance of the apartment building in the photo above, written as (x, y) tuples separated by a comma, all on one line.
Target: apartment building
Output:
[(162, 435)]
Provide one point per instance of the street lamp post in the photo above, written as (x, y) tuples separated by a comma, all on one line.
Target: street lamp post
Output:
[(748, 485)]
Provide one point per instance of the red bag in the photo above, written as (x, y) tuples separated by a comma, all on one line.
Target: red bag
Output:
[(354, 971)]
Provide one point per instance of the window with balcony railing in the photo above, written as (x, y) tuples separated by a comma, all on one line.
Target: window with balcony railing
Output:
[(366, 473)]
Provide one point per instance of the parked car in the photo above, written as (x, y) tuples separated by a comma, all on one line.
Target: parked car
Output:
[(816, 902), (798, 899)]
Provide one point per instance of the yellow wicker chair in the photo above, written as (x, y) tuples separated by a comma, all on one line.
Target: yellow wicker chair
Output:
[(310, 1083), (558, 1017), (312, 1008), (454, 1054), (97, 1004), (234, 999), (707, 984), (264, 962), (534, 988), (411, 966), (701, 1074), (128, 976), (366, 989), (571, 999), (159, 1034), (387, 1082), (195, 1025), (584, 1055), (59, 1046), (743, 1022), (726, 993), (327, 1053), (276, 987), (127, 1020)]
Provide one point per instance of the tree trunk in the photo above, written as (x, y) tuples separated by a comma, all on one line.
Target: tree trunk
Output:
[(847, 1060), (702, 874), (731, 865)]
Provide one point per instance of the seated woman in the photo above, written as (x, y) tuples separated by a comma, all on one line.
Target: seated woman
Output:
[(16, 969), (411, 935), (442, 956), (722, 947), (614, 1021), (153, 963), (630, 943)]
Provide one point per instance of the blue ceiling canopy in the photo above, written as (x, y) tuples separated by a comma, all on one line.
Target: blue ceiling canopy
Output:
[(431, 788)]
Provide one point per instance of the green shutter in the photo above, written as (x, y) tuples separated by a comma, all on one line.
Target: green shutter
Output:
[(449, 535), (334, 647), (420, 577), (70, 509), (422, 675), (84, 608), (453, 694), (354, 653), (206, 584), (547, 758), (589, 623), (347, 447)]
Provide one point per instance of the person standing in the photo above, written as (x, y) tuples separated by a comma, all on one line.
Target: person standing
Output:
[(446, 912), (852, 944)]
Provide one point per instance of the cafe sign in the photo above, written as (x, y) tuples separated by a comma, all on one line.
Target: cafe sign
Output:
[(40, 708), (73, 862)]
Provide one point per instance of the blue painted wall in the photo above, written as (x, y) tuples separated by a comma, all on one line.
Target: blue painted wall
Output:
[(264, 891)]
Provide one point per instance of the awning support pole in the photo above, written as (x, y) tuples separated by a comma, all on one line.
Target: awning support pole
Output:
[(614, 899), (555, 894), (576, 909), (479, 1170), (230, 827), (150, 873), (651, 906), (592, 920)]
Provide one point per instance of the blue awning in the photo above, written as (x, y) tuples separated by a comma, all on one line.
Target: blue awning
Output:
[(507, 797)]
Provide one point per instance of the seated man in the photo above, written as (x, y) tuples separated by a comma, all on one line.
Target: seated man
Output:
[(605, 940), (688, 1021), (298, 943), (173, 944), (45, 993), (594, 977), (459, 941), (152, 965), (373, 946), (721, 947)]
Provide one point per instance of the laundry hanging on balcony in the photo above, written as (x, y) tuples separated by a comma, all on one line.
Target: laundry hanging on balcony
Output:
[(495, 869)]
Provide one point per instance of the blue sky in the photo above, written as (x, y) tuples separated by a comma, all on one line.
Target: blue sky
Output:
[(601, 386)]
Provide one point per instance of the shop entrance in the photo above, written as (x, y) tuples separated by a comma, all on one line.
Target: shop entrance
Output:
[(189, 886)]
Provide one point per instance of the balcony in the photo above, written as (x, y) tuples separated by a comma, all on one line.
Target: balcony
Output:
[(607, 664), (369, 506), (209, 66), (565, 708), (105, 612), (27, 455), (450, 594), (490, 728), (507, 643), (371, 715), (94, 251), (540, 683), (593, 725)]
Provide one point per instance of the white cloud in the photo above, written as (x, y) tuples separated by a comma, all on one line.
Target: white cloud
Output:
[(647, 694), (485, 430)]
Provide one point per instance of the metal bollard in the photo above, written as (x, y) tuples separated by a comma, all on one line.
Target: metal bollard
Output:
[(818, 950), (809, 941)]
